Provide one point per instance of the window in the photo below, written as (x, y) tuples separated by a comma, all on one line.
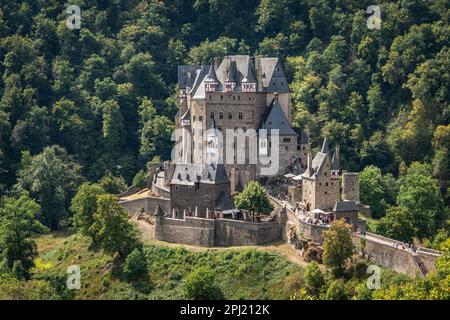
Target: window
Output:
[(212, 115), (241, 116), (221, 97), (286, 148), (326, 184), (200, 118), (193, 118), (287, 140), (177, 188), (230, 115), (221, 115), (298, 147)]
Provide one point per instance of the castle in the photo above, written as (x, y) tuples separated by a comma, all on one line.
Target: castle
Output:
[(230, 112)]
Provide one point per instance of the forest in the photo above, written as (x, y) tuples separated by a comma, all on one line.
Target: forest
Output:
[(97, 104)]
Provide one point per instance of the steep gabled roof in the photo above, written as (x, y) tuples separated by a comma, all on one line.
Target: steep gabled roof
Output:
[(188, 174), (276, 119), (211, 76), (224, 202), (232, 72), (335, 162), (248, 75), (325, 147)]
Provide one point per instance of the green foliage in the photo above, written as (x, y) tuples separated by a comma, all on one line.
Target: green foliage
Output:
[(13, 289), (84, 205), (135, 264), (372, 190), (111, 228), (336, 291), (199, 285), (51, 178), (140, 179), (253, 198), (337, 246), (397, 224), (112, 184), (17, 223), (314, 279), (419, 194)]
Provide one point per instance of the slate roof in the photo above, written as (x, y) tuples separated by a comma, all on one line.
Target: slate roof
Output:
[(276, 119), (335, 162), (248, 75), (325, 147), (186, 115), (224, 202), (319, 159), (211, 76), (187, 74), (347, 205), (188, 174)]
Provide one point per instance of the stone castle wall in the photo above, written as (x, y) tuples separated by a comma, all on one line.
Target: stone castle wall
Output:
[(209, 233), (147, 205)]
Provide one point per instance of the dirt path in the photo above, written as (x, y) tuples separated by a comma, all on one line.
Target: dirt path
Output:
[(280, 247)]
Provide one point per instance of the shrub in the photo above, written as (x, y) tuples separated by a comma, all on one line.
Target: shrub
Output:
[(135, 264), (200, 285)]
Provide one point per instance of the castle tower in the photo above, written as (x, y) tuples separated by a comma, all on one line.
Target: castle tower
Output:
[(186, 143), (350, 186), (211, 81)]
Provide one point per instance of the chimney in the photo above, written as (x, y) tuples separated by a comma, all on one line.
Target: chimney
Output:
[(309, 168)]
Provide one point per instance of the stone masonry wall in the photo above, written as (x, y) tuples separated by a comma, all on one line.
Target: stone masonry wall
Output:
[(209, 233), (148, 205)]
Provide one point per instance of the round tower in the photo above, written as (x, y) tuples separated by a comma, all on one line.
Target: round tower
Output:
[(350, 186)]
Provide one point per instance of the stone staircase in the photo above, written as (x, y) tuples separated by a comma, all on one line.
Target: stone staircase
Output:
[(419, 264)]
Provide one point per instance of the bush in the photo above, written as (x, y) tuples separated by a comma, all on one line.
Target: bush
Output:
[(336, 291), (135, 264), (200, 285), (314, 279)]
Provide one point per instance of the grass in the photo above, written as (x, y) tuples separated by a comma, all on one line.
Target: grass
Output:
[(240, 273)]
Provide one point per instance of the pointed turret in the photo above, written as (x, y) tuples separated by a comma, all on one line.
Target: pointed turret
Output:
[(230, 80), (335, 165), (325, 147), (211, 81), (249, 82)]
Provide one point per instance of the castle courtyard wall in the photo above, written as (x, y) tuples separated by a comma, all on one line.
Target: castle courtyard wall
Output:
[(215, 233)]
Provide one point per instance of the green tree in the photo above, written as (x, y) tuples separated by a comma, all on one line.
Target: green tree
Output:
[(17, 223), (254, 199), (112, 184), (372, 190), (314, 279), (419, 194), (200, 285), (51, 178), (337, 246), (336, 290), (397, 224), (84, 205), (111, 227)]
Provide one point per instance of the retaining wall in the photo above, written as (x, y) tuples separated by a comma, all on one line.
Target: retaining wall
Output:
[(209, 233)]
